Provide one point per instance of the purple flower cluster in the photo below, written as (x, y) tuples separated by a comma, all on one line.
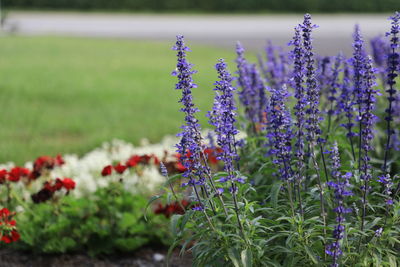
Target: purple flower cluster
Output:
[(189, 146), (380, 51), (280, 132), (340, 183), (387, 183), (367, 121), (312, 88), (300, 95), (223, 119), (275, 69), (393, 68), (252, 95), (367, 117), (358, 61), (333, 84), (345, 104)]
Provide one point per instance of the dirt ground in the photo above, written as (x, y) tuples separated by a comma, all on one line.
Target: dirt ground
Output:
[(146, 257)]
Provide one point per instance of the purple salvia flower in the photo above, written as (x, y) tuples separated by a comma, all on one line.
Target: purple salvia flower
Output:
[(189, 146), (275, 67), (340, 184), (387, 183), (312, 88), (272, 71), (380, 51), (333, 84), (252, 96), (393, 68), (345, 104), (280, 132), (298, 80), (367, 121), (243, 79), (323, 73), (358, 62), (283, 67), (223, 118), (248, 94), (163, 169), (260, 102)]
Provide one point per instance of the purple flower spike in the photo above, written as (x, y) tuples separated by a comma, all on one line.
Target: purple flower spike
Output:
[(280, 133), (334, 84), (340, 184), (298, 79), (393, 68), (223, 118), (367, 121), (380, 51), (387, 183), (189, 146), (312, 88)]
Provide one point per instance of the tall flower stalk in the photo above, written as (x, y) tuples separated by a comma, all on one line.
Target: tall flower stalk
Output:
[(298, 78), (223, 118), (333, 88), (393, 63), (340, 183), (368, 120), (345, 104), (358, 63), (280, 136), (189, 146), (313, 113)]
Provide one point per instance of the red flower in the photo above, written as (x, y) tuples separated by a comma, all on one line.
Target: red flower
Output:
[(10, 238), (59, 160), (8, 230), (17, 172), (107, 170), (170, 209), (44, 162), (4, 213), (120, 168), (156, 160), (58, 184), (145, 159), (3, 175), (133, 161), (47, 185), (68, 183), (180, 167)]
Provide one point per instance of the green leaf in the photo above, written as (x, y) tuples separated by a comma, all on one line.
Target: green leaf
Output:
[(276, 188), (172, 179), (234, 257), (247, 258), (152, 199), (311, 255), (174, 224)]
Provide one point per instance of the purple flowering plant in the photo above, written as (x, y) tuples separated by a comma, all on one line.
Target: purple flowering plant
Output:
[(316, 180)]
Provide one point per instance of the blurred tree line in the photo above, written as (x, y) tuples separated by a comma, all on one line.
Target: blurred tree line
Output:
[(212, 5)]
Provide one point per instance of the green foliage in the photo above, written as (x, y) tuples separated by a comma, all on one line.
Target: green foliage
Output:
[(112, 222)]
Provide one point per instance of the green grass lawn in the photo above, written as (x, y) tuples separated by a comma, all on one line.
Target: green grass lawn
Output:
[(68, 95)]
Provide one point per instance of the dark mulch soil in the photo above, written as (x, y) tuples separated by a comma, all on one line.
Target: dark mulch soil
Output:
[(146, 257)]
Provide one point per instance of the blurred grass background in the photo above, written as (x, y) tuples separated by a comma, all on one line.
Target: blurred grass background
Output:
[(68, 95)]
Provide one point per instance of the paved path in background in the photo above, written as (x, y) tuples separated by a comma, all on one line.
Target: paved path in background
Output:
[(334, 32)]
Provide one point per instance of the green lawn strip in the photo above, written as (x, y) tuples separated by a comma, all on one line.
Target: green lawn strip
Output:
[(68, 95)]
